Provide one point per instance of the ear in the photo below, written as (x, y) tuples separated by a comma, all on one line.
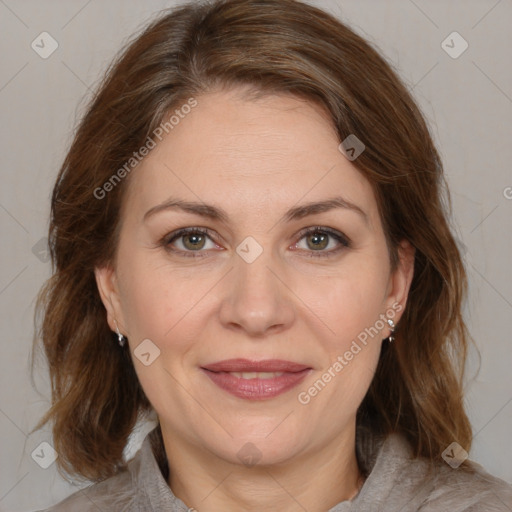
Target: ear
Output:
[(401, 278), (106, 280)]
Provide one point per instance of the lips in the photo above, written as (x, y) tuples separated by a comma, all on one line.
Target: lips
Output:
[(246, 365), (256, 380)]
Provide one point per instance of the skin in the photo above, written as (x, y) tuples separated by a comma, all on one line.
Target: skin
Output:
[(255, 159)]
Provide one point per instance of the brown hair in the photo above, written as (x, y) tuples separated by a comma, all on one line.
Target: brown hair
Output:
[(277, 46)]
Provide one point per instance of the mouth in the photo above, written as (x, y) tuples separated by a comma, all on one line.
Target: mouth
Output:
[(256, 380)]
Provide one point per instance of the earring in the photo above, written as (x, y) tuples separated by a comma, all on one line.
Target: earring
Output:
[(120, 337), (391, 324)]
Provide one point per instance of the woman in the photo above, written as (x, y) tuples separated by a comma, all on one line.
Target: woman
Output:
[(249, 239)]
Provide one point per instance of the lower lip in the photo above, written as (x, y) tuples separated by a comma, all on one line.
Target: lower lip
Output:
[(257, 389)]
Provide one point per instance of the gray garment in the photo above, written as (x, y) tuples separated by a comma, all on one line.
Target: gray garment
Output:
[(396, 482)]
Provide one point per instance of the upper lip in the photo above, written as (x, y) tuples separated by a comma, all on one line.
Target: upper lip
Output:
[(246, 365)]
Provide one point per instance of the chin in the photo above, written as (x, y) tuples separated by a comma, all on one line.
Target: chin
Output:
[(252, 448)]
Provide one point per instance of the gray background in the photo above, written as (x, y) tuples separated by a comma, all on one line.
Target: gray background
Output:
[(466, 100)]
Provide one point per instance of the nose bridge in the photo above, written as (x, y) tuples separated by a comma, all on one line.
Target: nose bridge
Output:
[(255, 299)]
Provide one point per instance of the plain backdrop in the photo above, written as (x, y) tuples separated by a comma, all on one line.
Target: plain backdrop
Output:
[(467, 101)]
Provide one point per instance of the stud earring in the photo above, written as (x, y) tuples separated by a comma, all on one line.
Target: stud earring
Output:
[(391, 324), (120, 337)]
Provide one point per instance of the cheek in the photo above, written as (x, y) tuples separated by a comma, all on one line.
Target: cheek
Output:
[(163, 304), (349, 301), (147, 299)]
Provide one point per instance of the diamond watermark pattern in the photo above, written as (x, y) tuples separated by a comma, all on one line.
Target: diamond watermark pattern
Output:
[(44, 45), (351, 147), (454, 455), (146, 352), (249, 455), (249, 249), (463, 248), (454, 45), (40, 250), (44, 455)]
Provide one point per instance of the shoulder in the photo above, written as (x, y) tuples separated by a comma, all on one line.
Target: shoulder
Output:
[(457, 490), (140, 486), (115, 493), (119, 492), (421, 485)]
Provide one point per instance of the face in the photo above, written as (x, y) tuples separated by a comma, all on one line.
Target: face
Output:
[(256, 277)]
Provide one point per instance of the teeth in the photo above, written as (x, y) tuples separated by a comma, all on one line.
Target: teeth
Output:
[(256, 375)]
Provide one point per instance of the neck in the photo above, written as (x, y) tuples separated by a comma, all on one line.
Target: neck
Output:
[(315, 481)]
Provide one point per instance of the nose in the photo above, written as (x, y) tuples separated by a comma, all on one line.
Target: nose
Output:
[(257, 300)]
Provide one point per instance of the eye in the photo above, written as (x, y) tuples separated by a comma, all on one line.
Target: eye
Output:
[(187, 241), (319, 238), (191, 240)]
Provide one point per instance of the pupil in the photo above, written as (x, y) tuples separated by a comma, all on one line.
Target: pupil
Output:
[(195, 240), (319, 238)]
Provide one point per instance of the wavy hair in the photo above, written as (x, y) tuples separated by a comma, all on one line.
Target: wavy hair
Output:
[(276, 46)]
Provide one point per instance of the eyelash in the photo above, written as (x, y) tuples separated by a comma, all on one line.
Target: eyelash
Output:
[(342, 239)]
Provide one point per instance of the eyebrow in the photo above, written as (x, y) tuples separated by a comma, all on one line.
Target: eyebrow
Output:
[(216, 213)]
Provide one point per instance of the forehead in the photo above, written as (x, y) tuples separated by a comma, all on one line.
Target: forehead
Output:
[(254, 155)]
